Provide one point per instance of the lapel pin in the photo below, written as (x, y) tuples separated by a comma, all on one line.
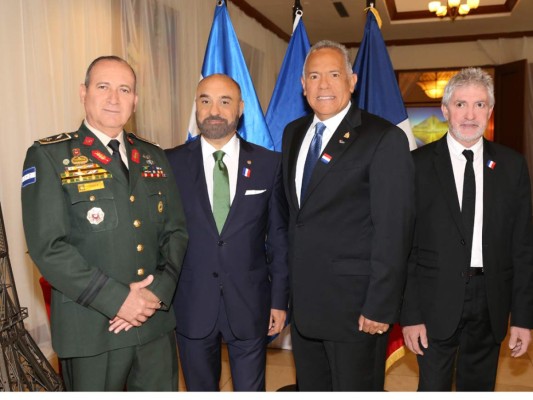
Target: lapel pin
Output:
[(341, 141), (249, 162), (326, 158), (491, 164), (246, 172), (347, 135)]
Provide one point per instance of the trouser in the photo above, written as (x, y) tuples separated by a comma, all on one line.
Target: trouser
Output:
[(149, 367)]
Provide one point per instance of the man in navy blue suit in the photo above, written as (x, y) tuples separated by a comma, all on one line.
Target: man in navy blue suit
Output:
[(234, 281)]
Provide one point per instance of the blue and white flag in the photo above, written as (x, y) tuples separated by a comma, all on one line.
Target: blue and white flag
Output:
[(288, 102), (377, 89), (223, 55)]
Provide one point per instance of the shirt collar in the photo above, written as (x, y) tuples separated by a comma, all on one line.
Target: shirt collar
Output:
[(333, 123), (456, 148), (103, 137), (231, 149)]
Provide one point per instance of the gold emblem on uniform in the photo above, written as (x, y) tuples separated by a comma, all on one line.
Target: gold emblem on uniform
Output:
[(79, 160), (140, 248), (160, 206), (87, 187), (136, 223), (140, 272), (347, 135), (66, 161)]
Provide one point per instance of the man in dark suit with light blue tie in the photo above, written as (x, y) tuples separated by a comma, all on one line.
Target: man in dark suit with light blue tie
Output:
[(234, 281)]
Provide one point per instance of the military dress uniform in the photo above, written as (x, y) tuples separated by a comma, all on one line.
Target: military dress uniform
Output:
[(92, 231)]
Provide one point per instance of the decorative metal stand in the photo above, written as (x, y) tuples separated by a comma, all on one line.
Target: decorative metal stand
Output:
[(23, 367)]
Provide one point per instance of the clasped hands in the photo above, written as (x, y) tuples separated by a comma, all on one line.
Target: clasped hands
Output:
[(372, 327), (140, 305)]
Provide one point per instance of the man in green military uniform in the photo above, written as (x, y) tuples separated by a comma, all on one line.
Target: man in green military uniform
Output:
[(104, 223)]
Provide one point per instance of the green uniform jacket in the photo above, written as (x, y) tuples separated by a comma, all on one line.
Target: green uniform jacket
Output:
[(91, 233)]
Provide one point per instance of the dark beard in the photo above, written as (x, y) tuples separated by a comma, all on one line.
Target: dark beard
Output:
[(219, 131)]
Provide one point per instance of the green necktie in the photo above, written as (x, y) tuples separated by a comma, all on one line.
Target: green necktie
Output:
[(220, 190)]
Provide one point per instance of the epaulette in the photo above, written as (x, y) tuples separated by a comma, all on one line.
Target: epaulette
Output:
[(55, 138), (143, 139)]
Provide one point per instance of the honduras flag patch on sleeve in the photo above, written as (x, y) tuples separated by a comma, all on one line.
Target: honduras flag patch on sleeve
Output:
[(29, 176)]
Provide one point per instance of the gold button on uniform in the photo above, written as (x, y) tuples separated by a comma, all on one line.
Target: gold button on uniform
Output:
[(132, 198), (140, 272), (92, 198), (140, 248), (136, 223)]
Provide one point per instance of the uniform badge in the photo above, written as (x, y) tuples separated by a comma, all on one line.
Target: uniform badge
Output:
[(135, 156), (29, 176), (101, 156), (88, 141), (66, 161), (160, 206), (75, 152), (79, 160), (55, 139), (95, 215)]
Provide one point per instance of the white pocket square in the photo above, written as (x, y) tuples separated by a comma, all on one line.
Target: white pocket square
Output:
[(252, 192)]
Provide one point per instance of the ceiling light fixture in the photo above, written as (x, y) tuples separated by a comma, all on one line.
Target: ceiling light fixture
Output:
[(433, 83), (454, 8)]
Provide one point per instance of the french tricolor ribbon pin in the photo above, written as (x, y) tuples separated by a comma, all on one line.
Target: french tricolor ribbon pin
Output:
[(246, 172), (491, 164), (326, 158)]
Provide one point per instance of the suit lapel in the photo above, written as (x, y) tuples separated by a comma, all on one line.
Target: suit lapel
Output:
[(444, 170), (343, 137), (489, 186), (341, 140), (195, 161), (245, 161), (294, 150)]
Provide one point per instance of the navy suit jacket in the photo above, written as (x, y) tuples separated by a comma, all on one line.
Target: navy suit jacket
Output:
[(247, 262), (435, 290)]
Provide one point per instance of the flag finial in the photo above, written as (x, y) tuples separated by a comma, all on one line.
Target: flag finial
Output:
[(297, 9)]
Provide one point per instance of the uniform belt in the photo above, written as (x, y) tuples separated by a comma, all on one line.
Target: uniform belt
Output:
[(475, 271)]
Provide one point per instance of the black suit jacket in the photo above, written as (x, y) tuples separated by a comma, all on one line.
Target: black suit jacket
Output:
[(435, 287), (247, 261), (350, 239)]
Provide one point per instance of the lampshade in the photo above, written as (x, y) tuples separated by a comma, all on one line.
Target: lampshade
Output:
[(454, 3), (473, 4), (433, 83)]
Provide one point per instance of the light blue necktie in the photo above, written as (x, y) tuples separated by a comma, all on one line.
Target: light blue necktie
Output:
[(312, 157), (221, 195)]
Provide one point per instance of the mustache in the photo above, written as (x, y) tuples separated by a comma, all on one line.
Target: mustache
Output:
[(215, 118)]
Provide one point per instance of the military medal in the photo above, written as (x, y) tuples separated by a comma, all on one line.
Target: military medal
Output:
[(95, 215), (79, 160)]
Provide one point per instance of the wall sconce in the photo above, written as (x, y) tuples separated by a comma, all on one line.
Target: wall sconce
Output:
[(433, 83)]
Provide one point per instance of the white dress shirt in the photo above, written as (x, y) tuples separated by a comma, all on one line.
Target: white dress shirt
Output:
[(458, 165), (106, 139), (331, 126), (231, 159)]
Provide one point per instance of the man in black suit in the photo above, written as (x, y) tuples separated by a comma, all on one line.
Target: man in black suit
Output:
[(472, 258), (234, 281), (350, 229)]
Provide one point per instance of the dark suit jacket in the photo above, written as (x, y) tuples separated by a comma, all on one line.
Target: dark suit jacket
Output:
[(247, 262), (350, 239), (92, 233), (435, 287)]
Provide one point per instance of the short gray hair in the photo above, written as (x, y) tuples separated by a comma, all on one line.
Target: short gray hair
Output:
[(330, 44), (469, 76)]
